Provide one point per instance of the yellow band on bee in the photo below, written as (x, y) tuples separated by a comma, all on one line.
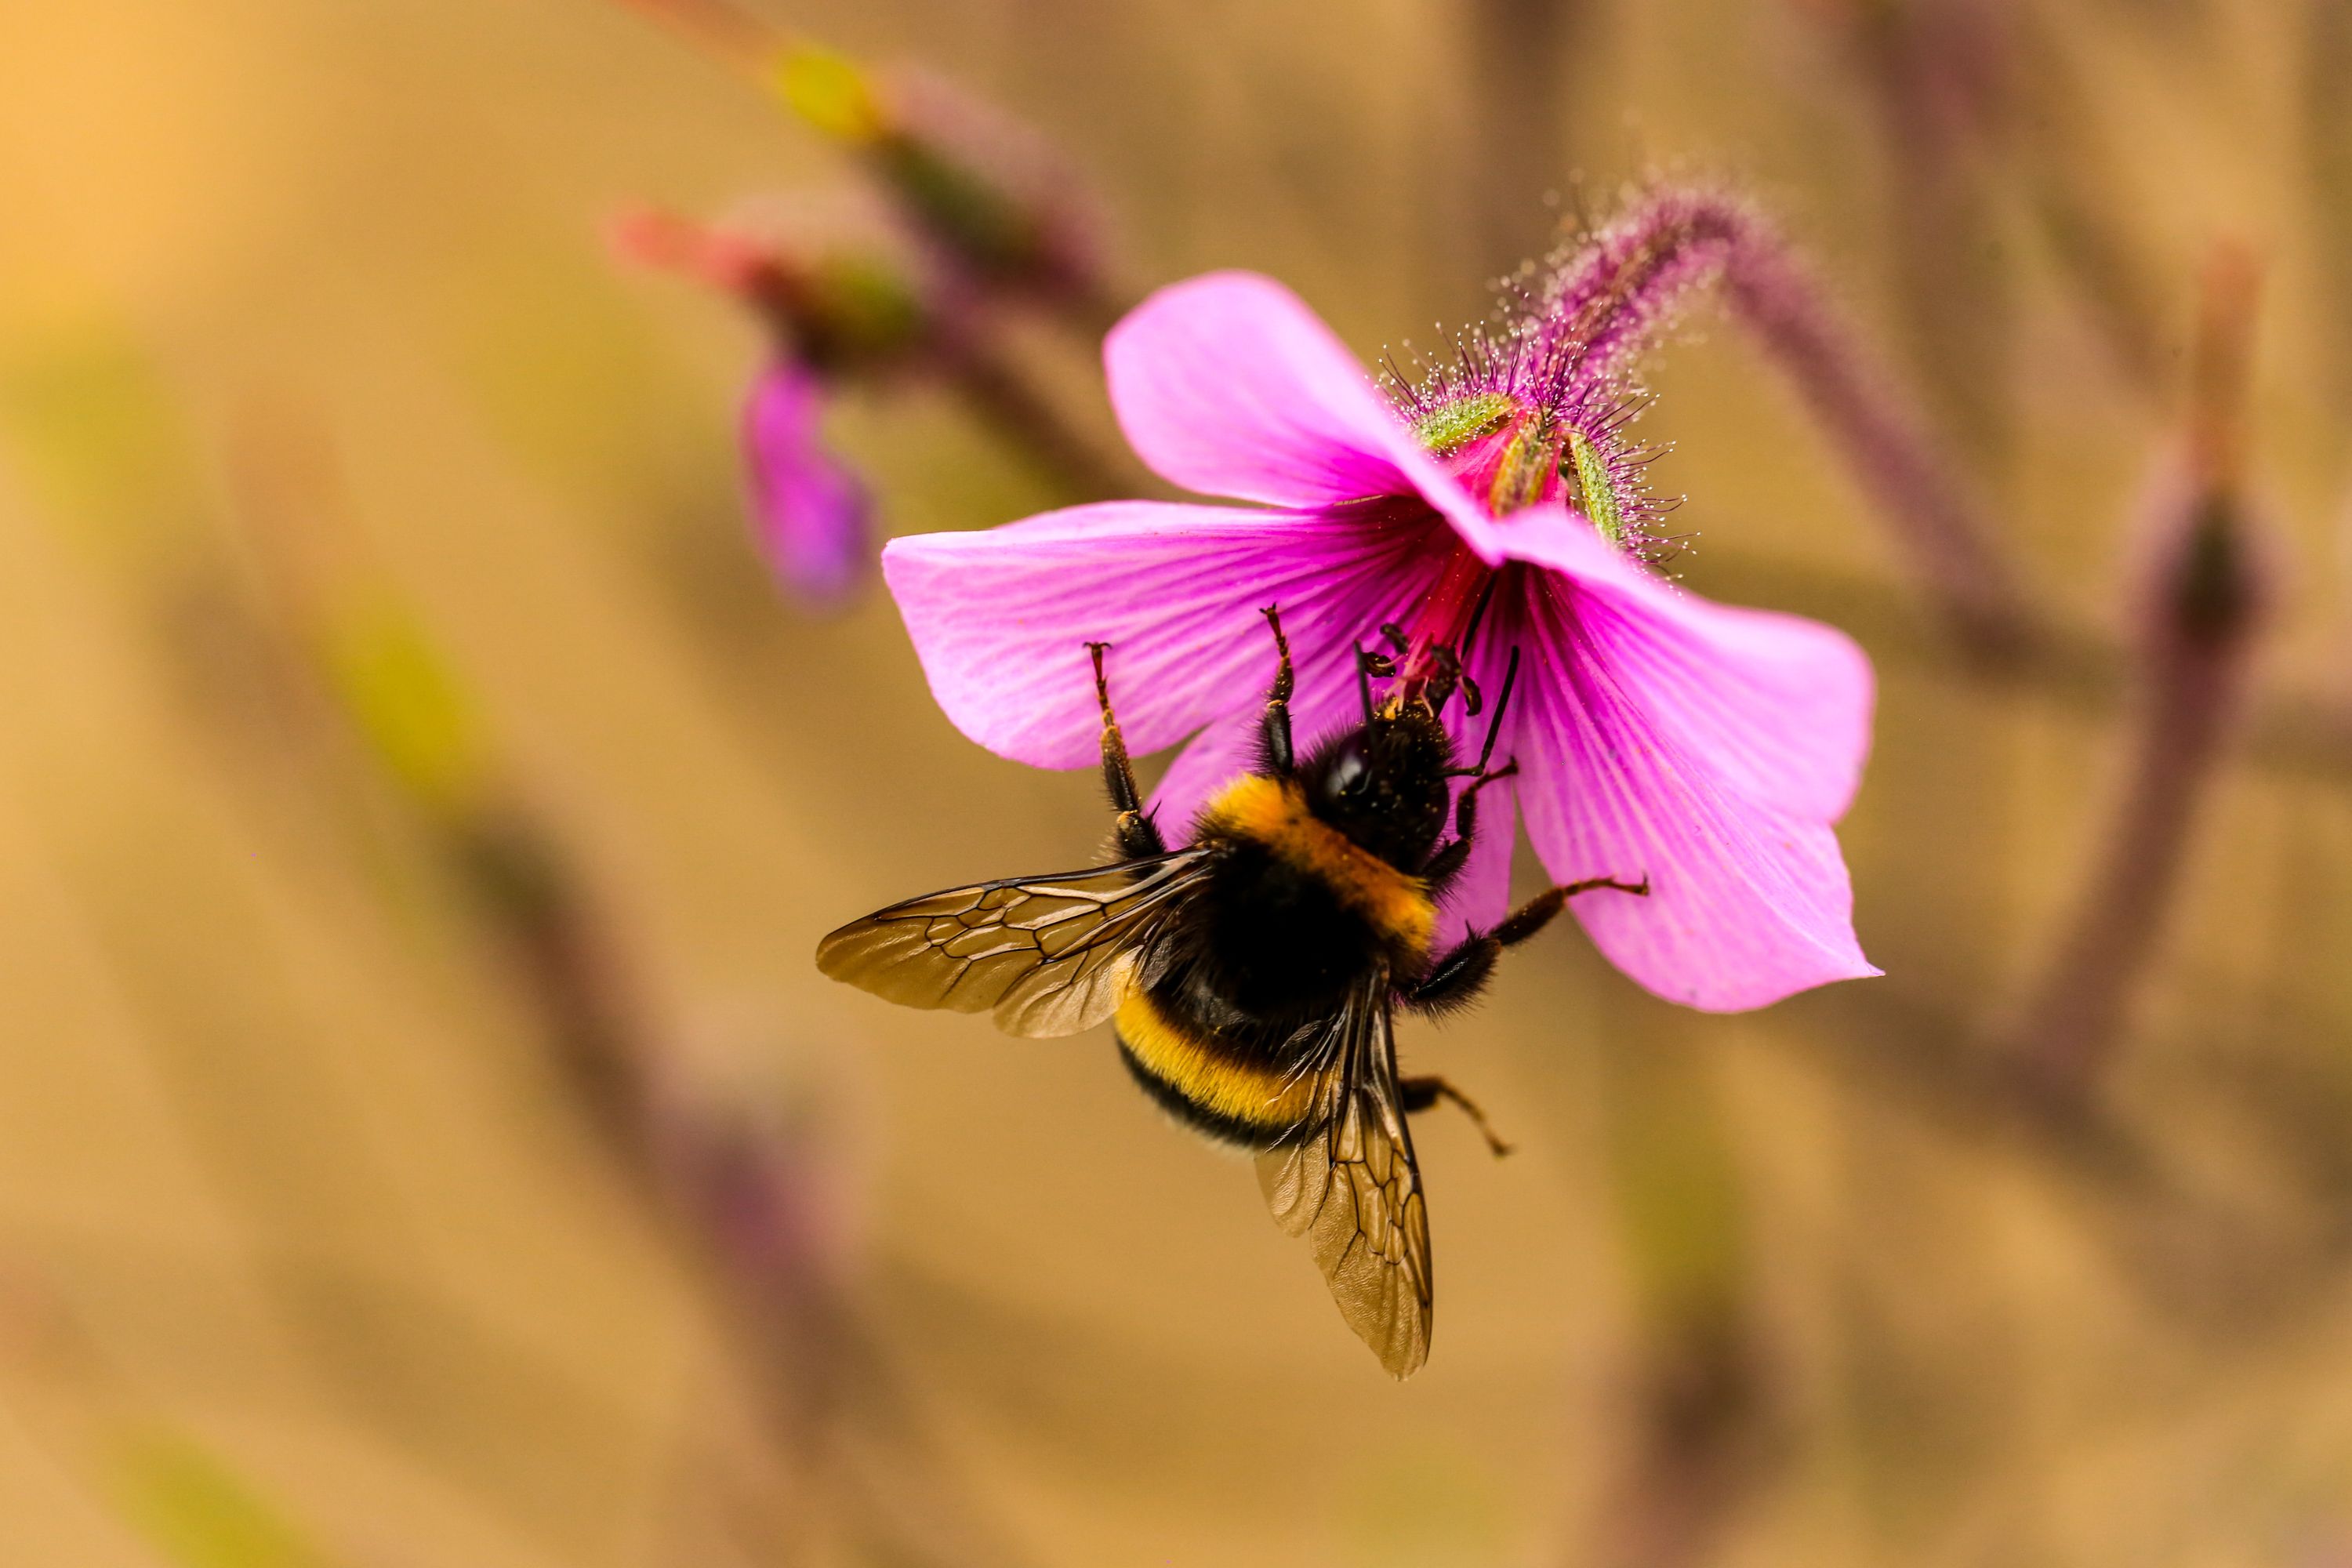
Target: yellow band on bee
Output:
[(1204, 1076), (1274, 812)]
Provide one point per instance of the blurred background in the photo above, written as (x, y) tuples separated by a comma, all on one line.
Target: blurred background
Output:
[(424, 1139)]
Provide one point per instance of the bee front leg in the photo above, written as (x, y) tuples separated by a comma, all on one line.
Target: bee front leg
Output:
[(1274, 730), (1447, 863), (1137, 835), (1417, 1094)]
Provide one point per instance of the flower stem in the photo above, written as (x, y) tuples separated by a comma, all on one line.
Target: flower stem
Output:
[(2204, 604), (1013, 406), (2066, 174), (2327, 128), (749, 1202), (1938, 518), (1937, 70), (1675, 241)]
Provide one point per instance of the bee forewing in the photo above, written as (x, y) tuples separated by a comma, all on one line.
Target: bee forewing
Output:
[(1049, 953)]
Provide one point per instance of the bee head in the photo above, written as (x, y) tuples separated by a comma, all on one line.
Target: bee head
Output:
[(1383, 784)]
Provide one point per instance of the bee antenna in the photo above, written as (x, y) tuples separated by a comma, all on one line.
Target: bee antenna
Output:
[(1502, 705), (1364, 681), (1477, 617)]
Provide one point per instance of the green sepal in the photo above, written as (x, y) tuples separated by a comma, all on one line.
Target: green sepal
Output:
[(1597, 493), (1452, 425)]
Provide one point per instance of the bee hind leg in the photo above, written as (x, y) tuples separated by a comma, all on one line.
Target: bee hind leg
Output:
[(1137, 835), (1417, 1094), (1454, 981)]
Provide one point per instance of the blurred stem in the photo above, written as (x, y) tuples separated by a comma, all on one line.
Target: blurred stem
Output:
[(1980, 101), (2065, 174), (1010, 404), (2204, 606), (2298, 733), (1699, 1394), (740, 1193), (1608, 307), (737, 1193), (1002, 222), (1940, 519), (1520, 54), (2327, 129), (1934, 67)]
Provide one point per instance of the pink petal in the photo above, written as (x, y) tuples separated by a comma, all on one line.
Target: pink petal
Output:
[(1000, 617), (812, 514), (1777, 707), (1747, 904), (1229, 385)]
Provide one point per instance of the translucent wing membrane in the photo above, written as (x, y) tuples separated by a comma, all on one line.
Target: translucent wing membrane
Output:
[(1049, 953), (1350, 1187)]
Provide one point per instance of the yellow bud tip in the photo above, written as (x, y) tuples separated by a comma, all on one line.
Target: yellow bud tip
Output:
[(830, 92)]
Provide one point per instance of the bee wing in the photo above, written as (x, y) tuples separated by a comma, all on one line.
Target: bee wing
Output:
[(1050, 955), (1349, 1185)]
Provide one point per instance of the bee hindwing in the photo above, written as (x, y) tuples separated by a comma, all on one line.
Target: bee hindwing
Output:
[(1350, 1186)]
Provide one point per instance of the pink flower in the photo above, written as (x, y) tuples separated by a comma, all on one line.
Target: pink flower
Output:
[(812, 514), (833, 315), (1707, 748)]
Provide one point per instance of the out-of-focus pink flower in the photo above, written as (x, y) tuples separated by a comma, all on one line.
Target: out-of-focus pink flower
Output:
[(813, 515), (1707, 748), (831, 316)]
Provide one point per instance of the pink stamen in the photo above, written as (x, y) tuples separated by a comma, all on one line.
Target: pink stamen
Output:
[(1443, 620)]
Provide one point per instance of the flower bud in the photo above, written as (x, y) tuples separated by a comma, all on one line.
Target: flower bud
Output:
[(1531, 461), (986, 192), (839, 308)]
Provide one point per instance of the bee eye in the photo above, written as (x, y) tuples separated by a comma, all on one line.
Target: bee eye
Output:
[(1348, 775)]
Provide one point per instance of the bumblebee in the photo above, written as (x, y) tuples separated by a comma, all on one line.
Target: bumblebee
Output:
[(1252, 977)]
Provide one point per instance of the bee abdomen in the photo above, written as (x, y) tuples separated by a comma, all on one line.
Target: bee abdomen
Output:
[(1210, 1080)]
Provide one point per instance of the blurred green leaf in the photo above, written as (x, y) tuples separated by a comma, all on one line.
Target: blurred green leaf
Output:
[(197, 1512), (409, 704), (93, 430)]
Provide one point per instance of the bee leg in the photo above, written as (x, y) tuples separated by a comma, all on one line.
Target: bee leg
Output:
[(1420, 1093), (1274, 730), (1137, 835), (1538, 913), (1448, 862), (1455, 980)]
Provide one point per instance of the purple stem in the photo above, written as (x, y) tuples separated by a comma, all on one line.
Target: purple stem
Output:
[(1635, 274), (2203, 606), (742, 1196)]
